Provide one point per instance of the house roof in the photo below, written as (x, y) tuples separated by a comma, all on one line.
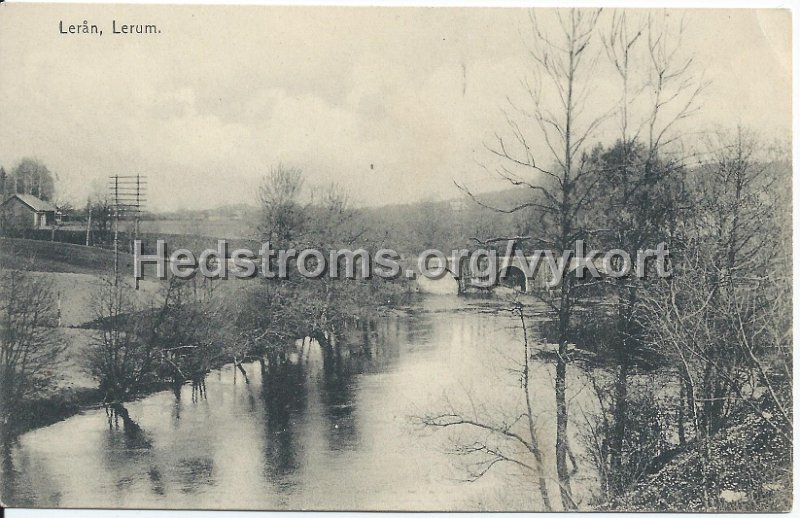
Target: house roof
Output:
[(33, 202)]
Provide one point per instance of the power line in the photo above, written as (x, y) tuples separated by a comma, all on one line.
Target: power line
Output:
[(127, 196)]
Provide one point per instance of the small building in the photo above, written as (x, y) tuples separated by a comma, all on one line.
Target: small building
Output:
[(28, 211)]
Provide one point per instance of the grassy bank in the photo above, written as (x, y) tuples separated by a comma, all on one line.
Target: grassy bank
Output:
[(49, 256), (747, 470), (60, 405)]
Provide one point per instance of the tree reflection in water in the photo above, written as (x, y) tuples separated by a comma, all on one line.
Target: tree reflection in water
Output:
[(319, 378), (304, 413), (283, 388), (128, 455), (125, 449), (133, 439)]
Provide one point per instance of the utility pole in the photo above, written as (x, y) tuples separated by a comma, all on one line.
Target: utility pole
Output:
[(116, 230), (88, 221), (127, 193)]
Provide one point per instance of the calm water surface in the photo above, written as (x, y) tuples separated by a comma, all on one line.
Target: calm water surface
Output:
[(328, 431)]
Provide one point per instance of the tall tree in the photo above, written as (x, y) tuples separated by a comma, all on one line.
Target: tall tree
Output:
[(641, 188), (556, 115), (31, 176), (283, 220), (294, 306)]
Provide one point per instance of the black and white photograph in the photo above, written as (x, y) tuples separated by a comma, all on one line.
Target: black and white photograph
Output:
[(396, 258)]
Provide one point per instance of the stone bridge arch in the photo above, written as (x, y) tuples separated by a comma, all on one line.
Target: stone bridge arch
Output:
[(511, 276)]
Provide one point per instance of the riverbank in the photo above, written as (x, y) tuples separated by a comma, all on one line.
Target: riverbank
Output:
[(57, 407), (318, 422), (747, 471), (72, 389), (76, 390)]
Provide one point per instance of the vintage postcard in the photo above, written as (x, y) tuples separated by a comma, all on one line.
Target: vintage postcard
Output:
[(396, 258)]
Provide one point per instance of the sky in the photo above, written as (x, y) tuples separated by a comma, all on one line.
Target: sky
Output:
[(393, 104)]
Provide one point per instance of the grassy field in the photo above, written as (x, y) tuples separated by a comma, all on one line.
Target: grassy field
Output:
[(228, 229), (73, 273), (73, 293), (47, 256)]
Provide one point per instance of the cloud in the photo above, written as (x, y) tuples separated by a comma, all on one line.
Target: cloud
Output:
[(391, 103)]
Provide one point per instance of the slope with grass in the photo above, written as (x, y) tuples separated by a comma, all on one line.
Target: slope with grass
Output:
[(749, 469), (49, 256)]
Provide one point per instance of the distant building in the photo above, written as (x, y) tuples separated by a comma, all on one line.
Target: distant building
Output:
[(28, 211)]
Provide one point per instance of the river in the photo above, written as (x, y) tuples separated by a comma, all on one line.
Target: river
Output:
[(333, 431)]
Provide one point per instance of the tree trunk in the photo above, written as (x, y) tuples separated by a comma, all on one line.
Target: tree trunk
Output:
[(240, 368), (618, 435), (561, 435), (561, 401), (705, 417), (681, 415), (534, 446)]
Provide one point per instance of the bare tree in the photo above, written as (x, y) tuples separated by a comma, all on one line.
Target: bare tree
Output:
[(725, 313), (640, 191), (292, 306), (29, 341), (283, 219), (558, 116), (99, 215), (187, 330), (122, 357), (511, 439)]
